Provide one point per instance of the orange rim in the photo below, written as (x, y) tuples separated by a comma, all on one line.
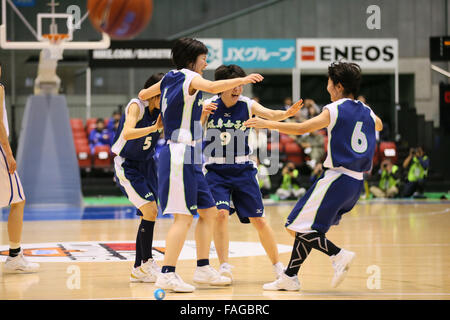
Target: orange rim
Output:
[(56, 37)]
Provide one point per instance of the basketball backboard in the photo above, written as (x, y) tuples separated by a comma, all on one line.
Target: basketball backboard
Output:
[(37, 23)]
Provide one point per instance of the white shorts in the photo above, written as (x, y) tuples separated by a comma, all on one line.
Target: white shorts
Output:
[(11, 190)]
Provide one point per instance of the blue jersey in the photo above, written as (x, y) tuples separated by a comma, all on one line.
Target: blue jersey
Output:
[(225, 131), (99, 137), (140, 149), (181, 111), (351, 135)]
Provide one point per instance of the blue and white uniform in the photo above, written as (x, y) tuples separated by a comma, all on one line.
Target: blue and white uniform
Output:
[(135, 167), (351, 146), (230, 173), (182, 186), (11, 190)]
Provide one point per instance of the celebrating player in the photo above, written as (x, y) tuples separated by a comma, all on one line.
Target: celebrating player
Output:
[(11, 194), (351, 129), (136, 173), (183, 190), (227, 139)]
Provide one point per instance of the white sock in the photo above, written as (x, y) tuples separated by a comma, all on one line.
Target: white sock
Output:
[(279, 264)]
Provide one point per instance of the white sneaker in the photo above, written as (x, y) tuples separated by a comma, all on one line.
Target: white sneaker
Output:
[(225, 270), (173, 282), (209, 275), (278, 269), (139, 275), (284, 282), (151, 267), (19, 264), (341, 263)]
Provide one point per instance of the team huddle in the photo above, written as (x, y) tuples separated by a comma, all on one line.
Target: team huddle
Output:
[(205, 168)]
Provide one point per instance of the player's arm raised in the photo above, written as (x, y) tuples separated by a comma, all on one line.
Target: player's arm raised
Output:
[(218, 86), (150, 92), (4, 137), (316, 123), (130, 131), (378, 124), (276, 115)]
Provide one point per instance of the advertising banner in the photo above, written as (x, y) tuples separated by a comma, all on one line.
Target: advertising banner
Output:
[(367, 53), (133, 54), (259, 53)]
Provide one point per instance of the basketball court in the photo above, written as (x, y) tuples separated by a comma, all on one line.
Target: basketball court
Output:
[(83, 234), (402, 252)]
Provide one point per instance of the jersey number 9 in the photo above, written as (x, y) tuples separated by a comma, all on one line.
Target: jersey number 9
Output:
[(225, 138)]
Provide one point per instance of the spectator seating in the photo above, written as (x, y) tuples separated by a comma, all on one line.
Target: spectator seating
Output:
[(291, 149), (77, 124), (388, 149), (294, 153), (90, 125), (83, 155), (102, 157)]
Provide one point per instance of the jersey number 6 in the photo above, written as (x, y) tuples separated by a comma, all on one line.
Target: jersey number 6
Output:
[(359, 140)]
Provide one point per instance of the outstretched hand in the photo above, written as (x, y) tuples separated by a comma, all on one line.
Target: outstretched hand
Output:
[(253, 78), (294, 108), (256, 122), (209, 108)]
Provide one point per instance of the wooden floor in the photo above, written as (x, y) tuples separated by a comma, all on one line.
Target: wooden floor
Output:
[(405, 246)]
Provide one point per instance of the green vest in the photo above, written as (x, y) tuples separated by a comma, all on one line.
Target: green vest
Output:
[(416, 171), (287, 181), (388, 180)]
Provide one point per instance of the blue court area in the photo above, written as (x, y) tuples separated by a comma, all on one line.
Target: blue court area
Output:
[(78, 213)]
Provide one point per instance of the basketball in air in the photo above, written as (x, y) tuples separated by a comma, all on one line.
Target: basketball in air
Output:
[(120, 19)]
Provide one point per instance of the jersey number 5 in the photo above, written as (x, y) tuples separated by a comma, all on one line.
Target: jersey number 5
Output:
[(147, 143), (359, 140)]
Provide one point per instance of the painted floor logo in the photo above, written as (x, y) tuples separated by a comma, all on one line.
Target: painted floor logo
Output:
[(116, 251)]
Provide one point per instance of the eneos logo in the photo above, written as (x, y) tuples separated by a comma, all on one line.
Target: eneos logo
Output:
[(308, 53)]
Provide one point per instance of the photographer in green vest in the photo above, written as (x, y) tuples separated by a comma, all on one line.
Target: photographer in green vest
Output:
[(290, 185), (388, 187), (417, 163)]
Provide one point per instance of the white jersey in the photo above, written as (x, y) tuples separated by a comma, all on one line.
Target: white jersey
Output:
[(5, 116), (10, 185)]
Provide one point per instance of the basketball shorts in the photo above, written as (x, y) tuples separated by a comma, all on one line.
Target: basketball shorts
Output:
[(182, 186), (137, 180), (11, 190), (322, 206), (236, 182)]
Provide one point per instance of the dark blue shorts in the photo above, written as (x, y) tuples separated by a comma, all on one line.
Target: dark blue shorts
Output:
[(182, 186), (236, 182), (137, 180), (322, 206)]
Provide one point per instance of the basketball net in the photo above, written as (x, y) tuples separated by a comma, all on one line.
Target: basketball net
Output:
[(47, 81), (55, 50)]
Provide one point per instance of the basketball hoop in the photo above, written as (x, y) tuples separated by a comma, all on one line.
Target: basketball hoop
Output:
[(56, 37), (55, 49)]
